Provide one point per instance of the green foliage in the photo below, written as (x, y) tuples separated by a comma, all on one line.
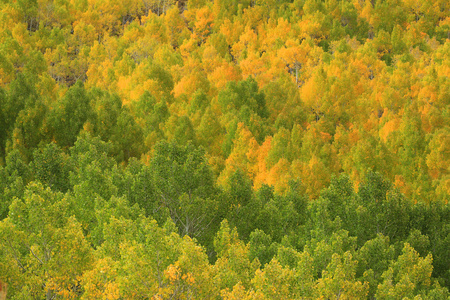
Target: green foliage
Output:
[(245, 100), (409, 276), (384, 210), (107, 108), (127, 136), (44, 247), (142, 192), (51, 167), (373, 259), (11, 186), (69, 115), (183, 183), (325, 122), (239, 196), (261, 247)]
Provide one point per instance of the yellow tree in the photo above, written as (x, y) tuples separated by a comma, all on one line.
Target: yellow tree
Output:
[(193, 78), (438, 160), (243, 155), (177, 29), (191, 275), (261, 168), (313, 174), (43, 246), (55, 13), (276, 282), (295, 55), (338, 280), (233, 266), (410, 276), (313, 92)]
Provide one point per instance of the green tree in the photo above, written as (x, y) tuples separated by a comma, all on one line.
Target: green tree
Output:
[(43, 247), (127, 136), (106, 108), (373, 259), (183, 182), (151, 115), (143, 193), (51, 167), (132, 258), (184, 131), (233, 264), (94, 176), (3, 124), (338, 279), (410, 276), (243, 93), (210, 133), (383, 210), (28, 128), (11, 186), (276, 282), (239, 195), (261, 247), (23, 112), (69, 115)]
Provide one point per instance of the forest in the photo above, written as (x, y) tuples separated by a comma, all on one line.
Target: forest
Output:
[(225, 149)]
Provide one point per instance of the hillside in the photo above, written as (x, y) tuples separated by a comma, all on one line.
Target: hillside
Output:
[(153, 149)]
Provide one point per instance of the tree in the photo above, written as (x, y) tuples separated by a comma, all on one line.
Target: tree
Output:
[(333, 244), (132, 257), (276, 282), (94, 178), (107, 108), (284, 106), (12, 52), (409, 276), (210, 133), (233, 264), (184, 184), (243, 154), (438, 159), (22, 94), (143, 193), (51, 167), (43, 246), (386, 14), (313, 92), (28, 128), (12, 185), (295, 56), (177, 27), (128, 136), (383, 210), (338, 279), (261, 247), (373, 259), (238, 195), (184, 131), (3, 124), (193, 78), (342, 201), (69, 115), (245, 92), (191, 275), (151, 117), (280, 148)]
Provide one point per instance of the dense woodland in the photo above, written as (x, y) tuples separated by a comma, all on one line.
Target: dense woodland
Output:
[(227, 149)]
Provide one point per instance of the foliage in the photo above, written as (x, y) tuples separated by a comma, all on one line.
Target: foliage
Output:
[(224, 149)]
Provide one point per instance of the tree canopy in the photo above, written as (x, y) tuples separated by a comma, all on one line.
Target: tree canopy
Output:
[(155, 149)]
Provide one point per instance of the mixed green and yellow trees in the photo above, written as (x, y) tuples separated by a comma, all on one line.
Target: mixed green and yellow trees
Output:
[(205, 149)]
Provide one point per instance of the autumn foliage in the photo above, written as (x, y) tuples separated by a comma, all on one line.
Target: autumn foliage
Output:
[(241, 149)]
